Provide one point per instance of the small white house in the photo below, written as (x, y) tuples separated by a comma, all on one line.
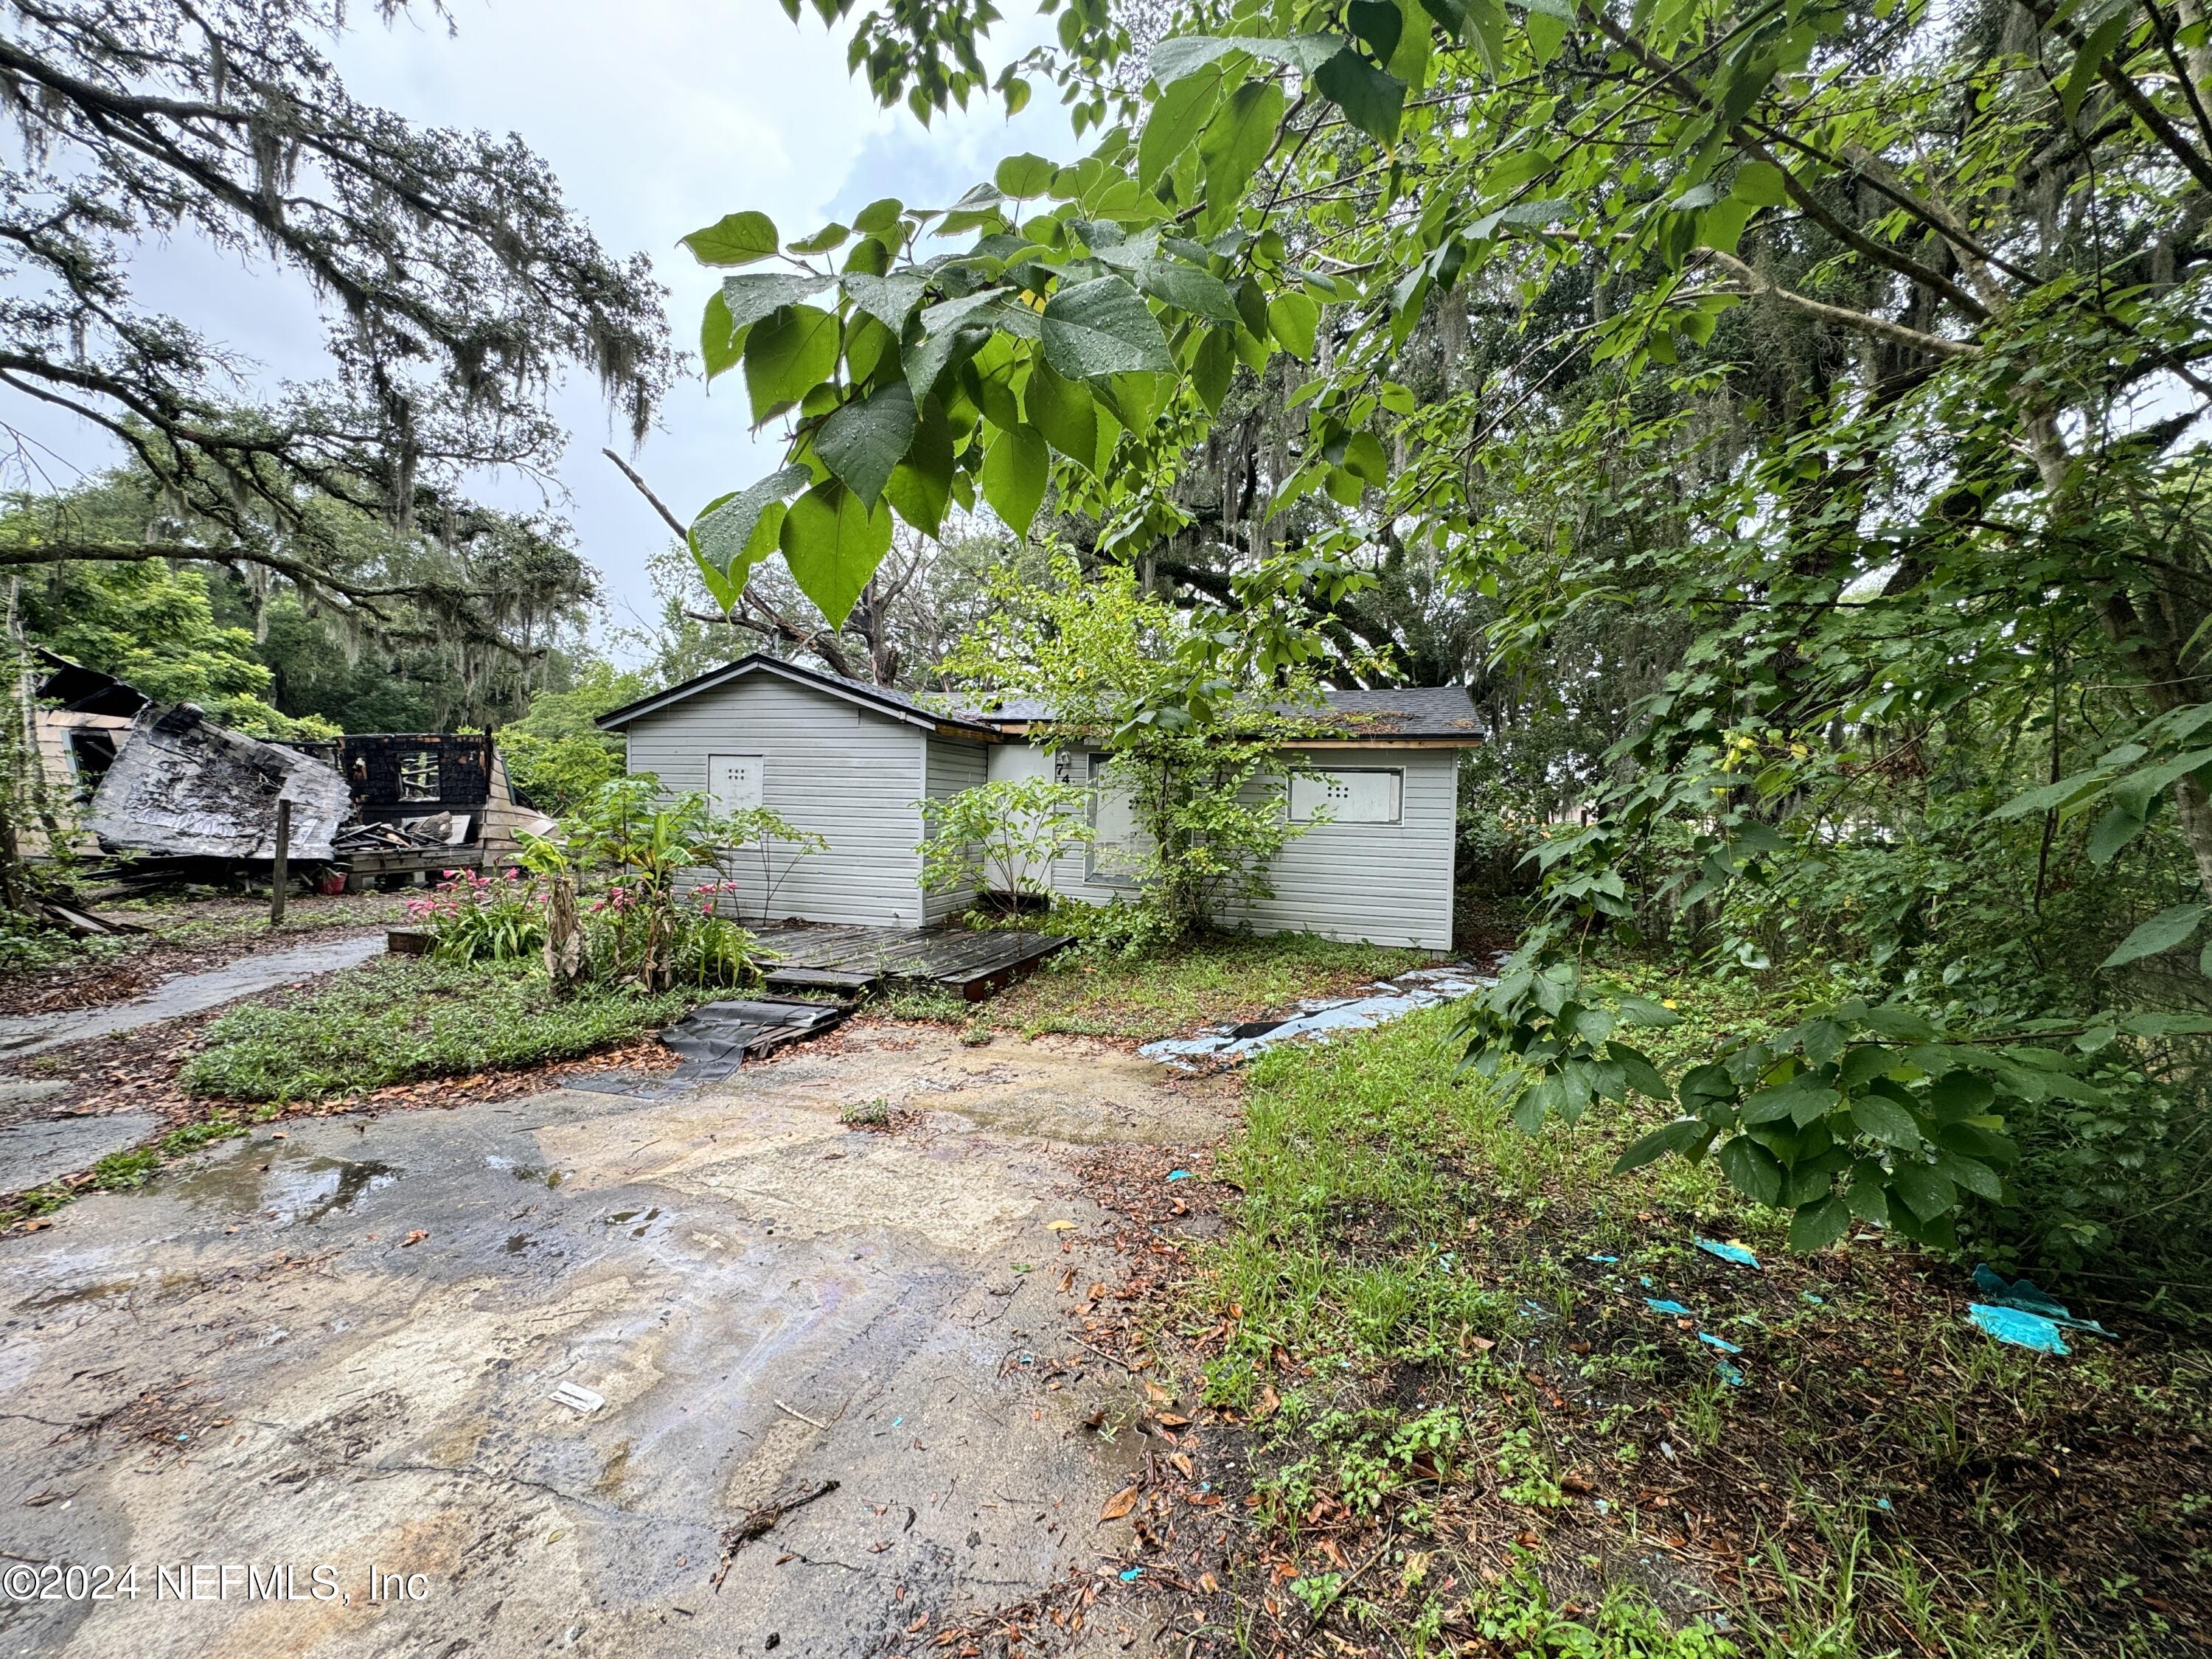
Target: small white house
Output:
[(850, 762)]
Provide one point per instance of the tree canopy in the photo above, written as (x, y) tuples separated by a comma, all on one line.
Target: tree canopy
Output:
[(457, 285)]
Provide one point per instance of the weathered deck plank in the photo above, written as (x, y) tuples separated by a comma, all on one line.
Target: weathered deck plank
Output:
[(847, 957)]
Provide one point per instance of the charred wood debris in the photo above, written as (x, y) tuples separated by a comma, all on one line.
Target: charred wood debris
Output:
[(173, 799)]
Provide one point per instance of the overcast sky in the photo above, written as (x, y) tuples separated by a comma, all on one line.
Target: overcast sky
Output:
[(659, 117)]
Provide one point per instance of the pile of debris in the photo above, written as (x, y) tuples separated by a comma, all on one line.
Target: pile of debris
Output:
[(404, 835), (179, 798)]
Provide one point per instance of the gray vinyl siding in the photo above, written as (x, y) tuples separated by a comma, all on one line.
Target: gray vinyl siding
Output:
[(846, 773), (953, 766), (1387, 883)]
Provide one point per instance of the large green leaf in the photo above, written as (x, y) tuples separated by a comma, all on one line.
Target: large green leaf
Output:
[(1024, 177), (1372, 100), (2161, 933), (1752, 1169), (1926, 1192), (1188, 288), (833, 544), (788, 355), (929, 359), (879, 215), (921, 485), (1236, 140), (1065, 411), (723, 534), (1294, 320), (719, 347), (863, 440), (752, 297), (1103, 327), (1819, 1224), (1015, 468), (1210, 370), (736, 239), (1173, 60), (1885, 1120), (889, 300), (1379, 23), (1173, 123)]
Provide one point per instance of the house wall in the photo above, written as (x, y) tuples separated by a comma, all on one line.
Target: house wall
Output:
[(953, 766), (1387, 883), (846, 773)]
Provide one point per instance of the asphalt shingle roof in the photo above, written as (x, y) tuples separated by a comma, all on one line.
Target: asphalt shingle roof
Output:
[(1404, 714)]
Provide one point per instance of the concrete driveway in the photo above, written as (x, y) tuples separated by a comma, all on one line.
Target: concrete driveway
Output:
[(322, 1362)]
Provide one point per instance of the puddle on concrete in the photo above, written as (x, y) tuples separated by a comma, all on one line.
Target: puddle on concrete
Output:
[(34, 1150), (188, 993), (298, 1194)]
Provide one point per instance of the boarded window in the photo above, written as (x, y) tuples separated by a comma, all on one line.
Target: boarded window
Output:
[(1358, 795), (734, 782)]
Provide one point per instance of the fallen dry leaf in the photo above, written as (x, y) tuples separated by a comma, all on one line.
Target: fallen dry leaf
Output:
[(1119, 1504), (415, 1238), (1059, 1226)]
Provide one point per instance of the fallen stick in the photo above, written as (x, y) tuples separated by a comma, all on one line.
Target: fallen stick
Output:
[(758, 1523), (1133, 1369), (789, 1411)]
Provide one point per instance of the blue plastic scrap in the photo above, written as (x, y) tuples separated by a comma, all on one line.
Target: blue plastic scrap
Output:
[(1609, 1260), (1733, 1252), (1179, 1175), (1720, 1342), (2024, 1295), (2020, 1328), (1133, 1575), (1731, 1373), (1661, 1306)]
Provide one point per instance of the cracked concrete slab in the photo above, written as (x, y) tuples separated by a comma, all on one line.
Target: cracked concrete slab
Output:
[(336, 1350), (35, 1149)]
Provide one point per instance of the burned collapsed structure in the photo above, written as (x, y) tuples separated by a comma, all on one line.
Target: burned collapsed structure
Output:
[(177, 794)]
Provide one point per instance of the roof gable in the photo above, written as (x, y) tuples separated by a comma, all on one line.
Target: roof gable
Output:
[(878, 699)]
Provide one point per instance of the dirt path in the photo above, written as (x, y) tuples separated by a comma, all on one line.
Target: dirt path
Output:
[(336, 1349)]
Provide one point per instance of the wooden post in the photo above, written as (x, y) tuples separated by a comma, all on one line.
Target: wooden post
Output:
[(280, 879)]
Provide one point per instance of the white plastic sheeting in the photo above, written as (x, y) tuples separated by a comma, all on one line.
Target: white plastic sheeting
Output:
[(1318, 1021)]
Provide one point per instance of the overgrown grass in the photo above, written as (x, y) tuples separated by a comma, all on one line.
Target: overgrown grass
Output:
[(401, 1020), (1443, 1329), (1228, 978)]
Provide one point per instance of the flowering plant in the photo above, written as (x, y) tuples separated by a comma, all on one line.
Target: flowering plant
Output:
[(478, 917)]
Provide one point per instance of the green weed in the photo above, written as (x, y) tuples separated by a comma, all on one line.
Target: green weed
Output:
[(400, 1021)]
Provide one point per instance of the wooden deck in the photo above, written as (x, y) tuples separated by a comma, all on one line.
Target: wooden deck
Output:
[(851, 958)]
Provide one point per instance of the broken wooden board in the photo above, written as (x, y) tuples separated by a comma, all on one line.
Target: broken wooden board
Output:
[(857, 958)]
